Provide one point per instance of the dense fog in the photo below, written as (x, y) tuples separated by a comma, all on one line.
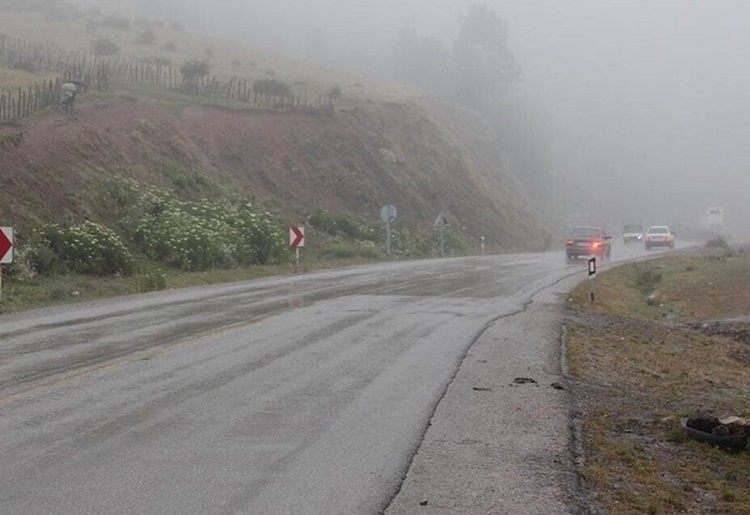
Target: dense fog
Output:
[(630, 110)]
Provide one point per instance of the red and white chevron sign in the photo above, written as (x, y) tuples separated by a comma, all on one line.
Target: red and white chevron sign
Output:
[(296, 237), (6, 245)]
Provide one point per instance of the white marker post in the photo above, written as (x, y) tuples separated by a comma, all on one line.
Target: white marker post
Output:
[(592, 276)]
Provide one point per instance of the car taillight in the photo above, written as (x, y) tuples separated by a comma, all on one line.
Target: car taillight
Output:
[(596, 244), (568, 242)]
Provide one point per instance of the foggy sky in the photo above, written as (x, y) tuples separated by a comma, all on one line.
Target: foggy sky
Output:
[(645, 102)]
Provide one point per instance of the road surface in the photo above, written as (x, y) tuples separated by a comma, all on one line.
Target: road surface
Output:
[(406, 387)]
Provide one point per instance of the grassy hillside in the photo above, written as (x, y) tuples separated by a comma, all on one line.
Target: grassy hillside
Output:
[(137, 36)]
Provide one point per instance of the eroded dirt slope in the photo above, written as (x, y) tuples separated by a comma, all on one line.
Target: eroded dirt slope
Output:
[(297, 161)]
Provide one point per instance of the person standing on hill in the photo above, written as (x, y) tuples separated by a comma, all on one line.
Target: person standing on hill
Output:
[(68, 96)]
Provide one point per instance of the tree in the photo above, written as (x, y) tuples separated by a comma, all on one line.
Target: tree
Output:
[(193, 71), (422, 62), (472, 72), (482, 57)]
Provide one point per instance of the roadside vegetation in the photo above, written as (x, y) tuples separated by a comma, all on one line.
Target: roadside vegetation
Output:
[(659, 345), (124, 237)]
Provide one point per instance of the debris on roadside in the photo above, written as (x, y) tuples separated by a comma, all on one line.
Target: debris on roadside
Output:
[(728, 432), (557, 386)]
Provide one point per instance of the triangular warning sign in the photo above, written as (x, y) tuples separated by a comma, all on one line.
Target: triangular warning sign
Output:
[(441, 220)]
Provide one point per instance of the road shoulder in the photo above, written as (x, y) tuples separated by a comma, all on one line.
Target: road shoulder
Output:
[(501, 439)]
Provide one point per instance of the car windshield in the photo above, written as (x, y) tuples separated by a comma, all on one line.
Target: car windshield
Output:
[(658, 230), (585, 232), (633, 228)]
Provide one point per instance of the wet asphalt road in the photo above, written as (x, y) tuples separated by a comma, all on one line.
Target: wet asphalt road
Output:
[(389, 388)]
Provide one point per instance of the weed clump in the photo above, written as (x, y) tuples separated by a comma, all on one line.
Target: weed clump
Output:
[(647, 278)]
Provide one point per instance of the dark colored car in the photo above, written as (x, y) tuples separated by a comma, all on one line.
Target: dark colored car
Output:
[(659, 236), (588, 241)]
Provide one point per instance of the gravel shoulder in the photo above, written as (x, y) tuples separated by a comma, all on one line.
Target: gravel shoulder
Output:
[(502, 440)]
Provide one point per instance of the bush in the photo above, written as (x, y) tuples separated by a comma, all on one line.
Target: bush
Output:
[(646, 278), (87, 248), (104, 46), (719, 242), (341, 250), (272, 87), (193, 71), (342, 225), (147, 37), (23, 267), (151, 281), (334, 93), (198, 235)]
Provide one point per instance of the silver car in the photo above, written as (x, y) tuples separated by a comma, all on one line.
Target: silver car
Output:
[(659, 236)]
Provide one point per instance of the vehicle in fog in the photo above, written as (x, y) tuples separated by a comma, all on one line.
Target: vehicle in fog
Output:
[(632, 233), (588, 241), (659, 236)]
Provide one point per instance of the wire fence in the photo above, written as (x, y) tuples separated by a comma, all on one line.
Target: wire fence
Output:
[(99, 73)]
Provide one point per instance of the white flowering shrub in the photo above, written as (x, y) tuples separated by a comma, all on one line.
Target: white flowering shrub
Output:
[(23, 267), (87, 248), (180, 239), (203, 234)]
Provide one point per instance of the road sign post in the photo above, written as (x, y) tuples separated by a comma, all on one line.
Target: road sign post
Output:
[(296, 240), (441, 221), (592, 276), (6, 251), (388, 214)]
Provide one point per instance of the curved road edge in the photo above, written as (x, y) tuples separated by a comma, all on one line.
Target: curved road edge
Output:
[(503, 438)]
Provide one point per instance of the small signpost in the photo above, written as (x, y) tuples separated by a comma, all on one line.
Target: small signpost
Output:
[(592, 276), (6, 251), (388, 214), (296, 240), (441, 222)]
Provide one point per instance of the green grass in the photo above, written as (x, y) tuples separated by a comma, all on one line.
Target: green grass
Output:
[(638, 368)]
